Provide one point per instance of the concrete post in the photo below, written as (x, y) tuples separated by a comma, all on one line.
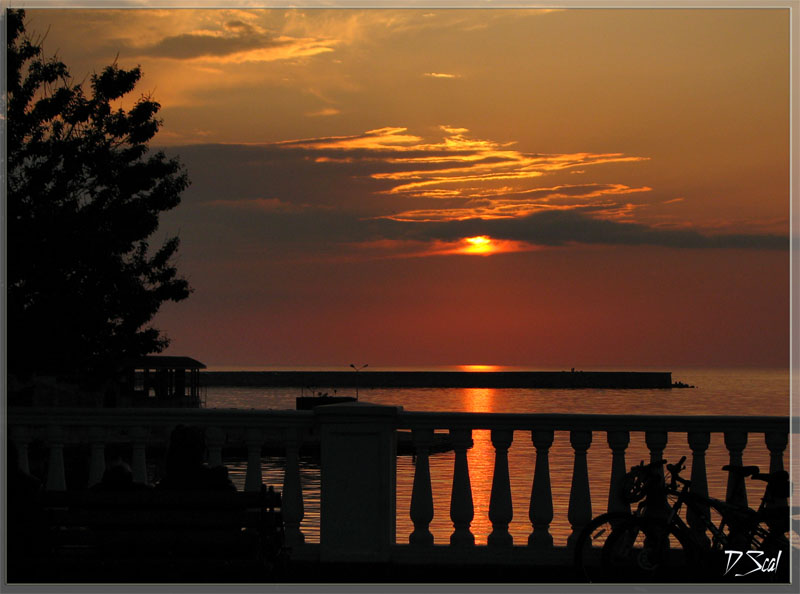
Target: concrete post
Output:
[(254, 438), (358, 481), (540, 511), (462, 510), (138, 454), (421, 493), (501, 510), (97, 457), (776, 443), (618, 441), (736, 492), (579, 512), (56, 479), (292, 504), (698, 442)]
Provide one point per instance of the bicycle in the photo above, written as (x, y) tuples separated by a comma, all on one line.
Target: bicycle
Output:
[(654, 543)]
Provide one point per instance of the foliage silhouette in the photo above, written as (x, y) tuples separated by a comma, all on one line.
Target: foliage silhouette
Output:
[(84, 195)]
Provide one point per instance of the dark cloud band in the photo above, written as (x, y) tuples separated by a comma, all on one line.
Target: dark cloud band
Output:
[(556, 228)]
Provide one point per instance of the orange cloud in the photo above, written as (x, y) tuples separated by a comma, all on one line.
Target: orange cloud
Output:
[(457, 166), (469, 177), (440, 75), (328, 111), (504, 203)]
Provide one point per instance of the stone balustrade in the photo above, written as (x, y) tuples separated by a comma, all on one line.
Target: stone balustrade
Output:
[(358, 463), (693, 431)]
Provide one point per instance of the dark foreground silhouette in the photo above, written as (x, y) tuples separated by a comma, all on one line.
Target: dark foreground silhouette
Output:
[(185, 469)]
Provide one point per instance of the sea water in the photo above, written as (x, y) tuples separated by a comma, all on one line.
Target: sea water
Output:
[(717, 392)]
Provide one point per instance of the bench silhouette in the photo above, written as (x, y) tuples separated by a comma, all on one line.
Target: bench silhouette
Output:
[(154, 532)]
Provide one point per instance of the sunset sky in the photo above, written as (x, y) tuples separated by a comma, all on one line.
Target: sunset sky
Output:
[(538, 188)]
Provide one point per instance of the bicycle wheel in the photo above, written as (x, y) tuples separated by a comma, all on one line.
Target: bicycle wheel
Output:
[(590, 541), (644, 551)]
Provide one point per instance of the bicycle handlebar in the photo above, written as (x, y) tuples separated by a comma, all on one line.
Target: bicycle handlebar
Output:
[(742, 470), (676, 468)]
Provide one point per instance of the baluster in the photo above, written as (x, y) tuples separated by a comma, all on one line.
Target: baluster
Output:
[(461, 509), (97, 456), (421, 494), (501, 510), (776, 443), (254, 439), (698, 442), (656, 442), (580, 499), (138, 455), (22, 437), (618, 441), (56, 479), (215, 438), (736, 492), (540, 512), (292, 500)]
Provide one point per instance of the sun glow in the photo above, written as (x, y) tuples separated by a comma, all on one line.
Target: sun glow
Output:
[(479, 368), (482, 244)]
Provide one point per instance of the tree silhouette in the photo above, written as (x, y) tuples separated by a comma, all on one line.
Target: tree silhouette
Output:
[(84, 195)]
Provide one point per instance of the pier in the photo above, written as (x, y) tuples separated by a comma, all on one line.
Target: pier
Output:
[(610, 380)]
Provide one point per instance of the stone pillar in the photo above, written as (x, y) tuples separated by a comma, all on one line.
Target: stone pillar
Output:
[(618, 441), (138, 453), (97, 455), (462, 510), (500, 507), (22, 437), (579, 512), (254, 438), (776, 443), (358, 481), (293, 510), (736, 492), (421, 494), (656, 442), (56, 478), (698, 442), (540, 511)]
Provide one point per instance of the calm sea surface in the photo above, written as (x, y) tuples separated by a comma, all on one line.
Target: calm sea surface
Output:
[(717, 392)]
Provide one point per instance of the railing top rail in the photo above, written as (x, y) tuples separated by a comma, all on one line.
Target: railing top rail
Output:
[(159, 417), (404, 420), (565, 422)]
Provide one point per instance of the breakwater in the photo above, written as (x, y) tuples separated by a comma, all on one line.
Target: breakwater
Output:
[(610, 380)]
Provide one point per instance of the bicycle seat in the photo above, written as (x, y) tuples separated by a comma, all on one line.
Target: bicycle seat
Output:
[(779, 476), (777, 482), (741, 470)]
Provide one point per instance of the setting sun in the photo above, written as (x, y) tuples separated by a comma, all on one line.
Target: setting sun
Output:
[(481, 244), (476, 367)]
